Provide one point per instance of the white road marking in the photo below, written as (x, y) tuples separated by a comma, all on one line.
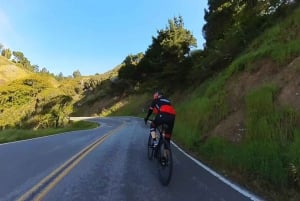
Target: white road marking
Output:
[(223, 179)]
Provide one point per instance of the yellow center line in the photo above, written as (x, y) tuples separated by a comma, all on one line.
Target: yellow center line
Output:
[(64, 169)]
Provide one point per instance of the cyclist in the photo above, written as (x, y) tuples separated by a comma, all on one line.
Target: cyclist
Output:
[(165, 113)]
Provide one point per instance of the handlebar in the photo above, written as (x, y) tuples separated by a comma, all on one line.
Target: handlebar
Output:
[(148, 121), (160, 128)]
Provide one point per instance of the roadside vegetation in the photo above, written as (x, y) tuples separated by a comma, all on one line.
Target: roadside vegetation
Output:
[(237, 99), (12, 135)]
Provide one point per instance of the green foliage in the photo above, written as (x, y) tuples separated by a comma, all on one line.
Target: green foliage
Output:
[(60, 76), (189, 130), (130, 70), (294, 160), (294, 149), (205, 114), (265, 159), (176, 41), (22, 91), (21, 60), (215, 148), (33, 102), (218, 17), (270, 131), (89, 85), (6, 53), (44, 71), (231, 26), (217, 85), (76, 74), (260, 112), (13, 95), (70, 87), (53, 113), (286, 51), (166, 58), (134, 105), (19, 56), (281, 42)]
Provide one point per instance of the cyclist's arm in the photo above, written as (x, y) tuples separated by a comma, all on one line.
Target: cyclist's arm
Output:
[(150, 110)]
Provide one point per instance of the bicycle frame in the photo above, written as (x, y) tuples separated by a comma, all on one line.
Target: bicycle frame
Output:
[(162, 153)]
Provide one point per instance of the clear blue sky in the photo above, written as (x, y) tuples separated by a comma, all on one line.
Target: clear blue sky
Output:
[(91, 36)]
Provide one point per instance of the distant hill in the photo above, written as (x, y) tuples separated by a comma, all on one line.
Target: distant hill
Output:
[(9, 71), (39, 100)]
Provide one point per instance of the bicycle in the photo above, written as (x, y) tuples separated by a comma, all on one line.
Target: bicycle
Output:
[(163, 154)]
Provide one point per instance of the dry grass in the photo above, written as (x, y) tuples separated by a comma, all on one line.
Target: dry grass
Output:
[(10, 72)]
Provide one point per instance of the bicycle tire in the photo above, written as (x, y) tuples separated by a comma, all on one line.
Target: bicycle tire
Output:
[(150, 148), (165, 167)]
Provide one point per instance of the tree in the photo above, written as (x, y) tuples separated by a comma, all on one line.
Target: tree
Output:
[(18, 56), (175, 41), (76, 74), (21, 59), (218, 17), (130, 70), (44, 71), (231, 25), (59, 76), (170, 48), (36, 68), (6, 53), (237, 19)]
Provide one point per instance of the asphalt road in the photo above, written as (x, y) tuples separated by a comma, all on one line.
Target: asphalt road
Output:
[(108, 163)]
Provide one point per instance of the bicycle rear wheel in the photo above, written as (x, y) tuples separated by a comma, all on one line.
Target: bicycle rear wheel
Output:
[(150, 148), (165, 163)]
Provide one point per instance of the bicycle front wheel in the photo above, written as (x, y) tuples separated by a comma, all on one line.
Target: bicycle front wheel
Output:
[(165, 163)]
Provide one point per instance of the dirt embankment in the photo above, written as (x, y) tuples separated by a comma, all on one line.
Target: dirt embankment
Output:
[(11, 72), (287, 78)]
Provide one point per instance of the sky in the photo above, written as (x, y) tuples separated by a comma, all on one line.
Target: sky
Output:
[(91, 36)]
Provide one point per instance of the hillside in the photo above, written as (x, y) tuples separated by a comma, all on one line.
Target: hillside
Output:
[(40, 100), (235, 125), (266, 71), (9, 71)]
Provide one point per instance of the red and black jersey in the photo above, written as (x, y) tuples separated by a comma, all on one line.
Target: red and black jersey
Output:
[(161, 105)]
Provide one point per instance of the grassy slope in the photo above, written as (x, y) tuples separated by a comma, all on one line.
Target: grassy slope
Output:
[(21, 102), (9, 71)]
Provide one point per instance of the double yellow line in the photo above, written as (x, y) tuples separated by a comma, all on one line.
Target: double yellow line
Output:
[(40, 190)]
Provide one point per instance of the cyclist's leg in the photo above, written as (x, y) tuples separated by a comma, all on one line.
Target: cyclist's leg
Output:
[(157, 122), (153, 127), (169, 120)]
